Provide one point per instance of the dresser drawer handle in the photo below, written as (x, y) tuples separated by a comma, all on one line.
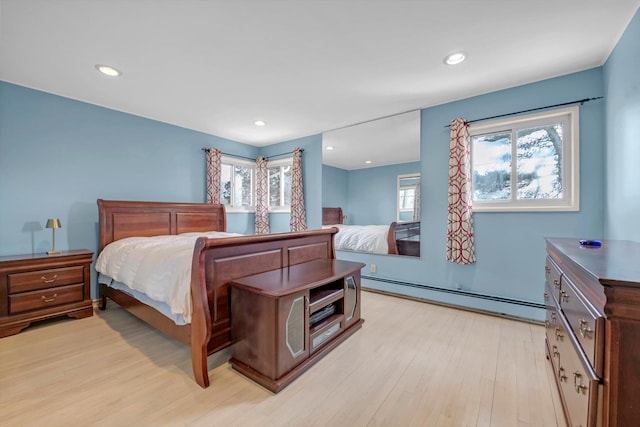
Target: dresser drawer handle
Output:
[(561, 376), (585, 329), (559, 335), (564, 296), (53, 279), (556, 353), (578, 387), (547, 269), (546, 296), (556, 283), (51, 299)]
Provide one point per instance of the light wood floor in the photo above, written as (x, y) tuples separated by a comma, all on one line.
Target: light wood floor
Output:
[(412, 364)]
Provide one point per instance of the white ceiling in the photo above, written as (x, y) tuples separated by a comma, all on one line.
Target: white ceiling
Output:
[(303, 66)]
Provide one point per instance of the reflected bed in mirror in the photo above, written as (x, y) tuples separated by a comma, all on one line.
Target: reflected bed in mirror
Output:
[(397, 238), (365, 196)]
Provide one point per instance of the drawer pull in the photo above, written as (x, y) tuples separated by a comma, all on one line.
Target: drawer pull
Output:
[(578, 387), (546, 296), (564, 296), (556, 283), (51, 299), (547, 269), (561, 376), (53, 279), (553, 318), (559, 335), (556, 353), (585, 329)]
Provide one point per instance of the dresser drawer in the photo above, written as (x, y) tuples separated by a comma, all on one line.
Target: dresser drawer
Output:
[(550, 301), (552, 278), (44, 298), (579, 384), (585, 322), (43, 279)]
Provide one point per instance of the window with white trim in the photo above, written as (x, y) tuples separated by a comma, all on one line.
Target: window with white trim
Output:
[(280, 185), (407, 189), (527, 163), (237, 179)]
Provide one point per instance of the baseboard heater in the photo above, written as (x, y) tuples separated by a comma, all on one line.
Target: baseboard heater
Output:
[(458, 292)]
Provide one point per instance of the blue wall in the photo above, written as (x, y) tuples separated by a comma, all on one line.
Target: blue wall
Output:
[(58, 156), (622, 121), (335, 187), (510, 247)]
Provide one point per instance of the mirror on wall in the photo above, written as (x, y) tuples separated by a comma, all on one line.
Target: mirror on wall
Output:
[(362, 169)]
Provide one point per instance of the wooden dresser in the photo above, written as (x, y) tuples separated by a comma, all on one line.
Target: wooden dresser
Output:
[(592, 296), (283, 321), (39, 286)]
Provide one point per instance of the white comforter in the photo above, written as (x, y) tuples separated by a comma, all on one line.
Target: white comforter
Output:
[(362, 238), (159, 266)]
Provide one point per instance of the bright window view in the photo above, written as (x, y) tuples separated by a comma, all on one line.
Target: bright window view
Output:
[(407, 197), (526, 164), (280, 184), (236, 184)]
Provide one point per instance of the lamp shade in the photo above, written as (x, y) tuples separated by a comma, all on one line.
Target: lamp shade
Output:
[(53, 223)]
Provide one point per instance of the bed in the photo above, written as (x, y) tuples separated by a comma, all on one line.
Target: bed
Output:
[(392, 239), (215, 262)]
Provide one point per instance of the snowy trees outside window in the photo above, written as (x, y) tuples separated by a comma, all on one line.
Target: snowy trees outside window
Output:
[(526, 163)]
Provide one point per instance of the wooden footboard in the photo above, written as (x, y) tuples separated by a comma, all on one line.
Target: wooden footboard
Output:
[(217, 262), (391, 239)]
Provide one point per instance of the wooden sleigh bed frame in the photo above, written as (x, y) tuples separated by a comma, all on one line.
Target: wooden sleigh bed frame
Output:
[(215, 263), (397, 230)]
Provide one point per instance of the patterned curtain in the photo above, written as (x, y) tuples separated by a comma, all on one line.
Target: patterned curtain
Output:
[(214, 157), (416, 204), (298, 221), (460, 243), (262, 196)]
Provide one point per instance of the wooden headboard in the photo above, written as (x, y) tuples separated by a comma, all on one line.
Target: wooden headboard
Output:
[(121, 219), (331, 216)]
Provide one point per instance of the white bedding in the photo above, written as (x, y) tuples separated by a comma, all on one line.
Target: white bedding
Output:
[(159, 267), (362, 238)]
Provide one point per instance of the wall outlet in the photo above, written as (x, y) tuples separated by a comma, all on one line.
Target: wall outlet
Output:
[(373, 268)]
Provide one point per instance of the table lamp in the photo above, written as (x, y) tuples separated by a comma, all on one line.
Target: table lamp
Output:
[(53, 223)]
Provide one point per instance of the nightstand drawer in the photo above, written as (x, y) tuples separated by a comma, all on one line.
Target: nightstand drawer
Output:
[(45, 298), (43, 279)]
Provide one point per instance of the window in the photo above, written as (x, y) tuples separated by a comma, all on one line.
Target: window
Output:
[(529, 163), (236, 184), (407, 189), (280, 185)]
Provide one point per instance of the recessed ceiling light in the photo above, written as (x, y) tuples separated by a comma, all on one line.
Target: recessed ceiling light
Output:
[(108, 70), (329, 147), (455, 58), (259, 123), (368, 162)]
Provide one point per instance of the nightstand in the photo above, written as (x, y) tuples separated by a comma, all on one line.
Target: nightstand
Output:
[(40, 286)]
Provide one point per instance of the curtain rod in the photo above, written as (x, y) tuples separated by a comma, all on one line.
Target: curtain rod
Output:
[(578, 101), (249, 158)]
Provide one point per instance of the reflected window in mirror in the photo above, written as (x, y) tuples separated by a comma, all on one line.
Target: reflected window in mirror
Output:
[(409, 197)]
